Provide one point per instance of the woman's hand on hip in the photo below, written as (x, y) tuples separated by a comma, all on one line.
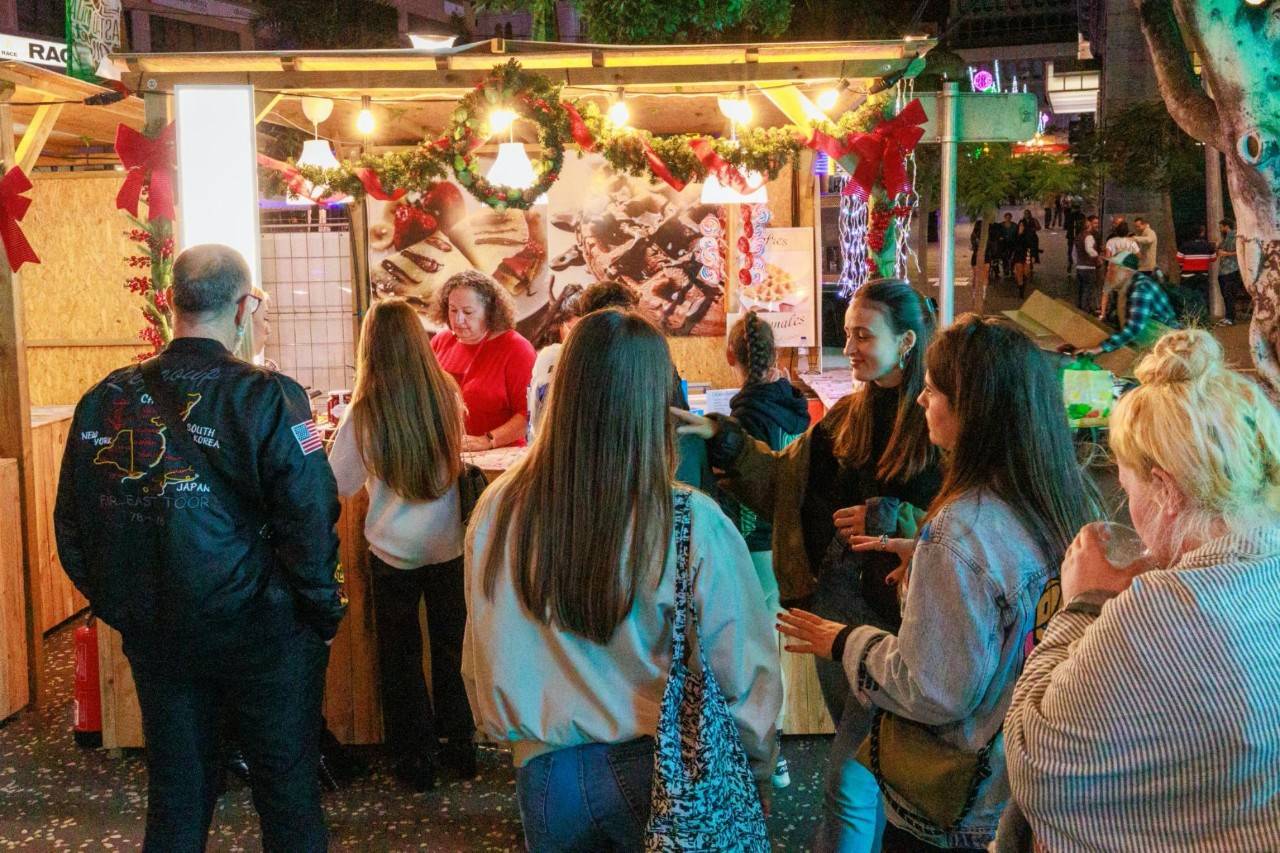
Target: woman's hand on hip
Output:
[(813, 634), (687, 423)]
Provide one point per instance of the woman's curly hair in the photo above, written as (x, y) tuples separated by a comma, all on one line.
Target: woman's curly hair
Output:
[(499, 306)]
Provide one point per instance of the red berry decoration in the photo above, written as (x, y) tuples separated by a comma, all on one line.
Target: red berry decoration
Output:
[(744, 276)]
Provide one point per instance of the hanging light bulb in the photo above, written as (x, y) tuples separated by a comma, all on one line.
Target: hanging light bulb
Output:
[(501, 120), (714, 192), (619, 113), (827, 99), (364, 121), (737, 110), (512, 167)]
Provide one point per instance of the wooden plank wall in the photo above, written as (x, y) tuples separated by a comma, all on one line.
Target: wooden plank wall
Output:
[(14, 687), (59, 599), (121, 717)]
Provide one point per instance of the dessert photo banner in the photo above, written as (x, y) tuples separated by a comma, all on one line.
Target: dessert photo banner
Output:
[(418, 240), (783, 295), (662, 243)]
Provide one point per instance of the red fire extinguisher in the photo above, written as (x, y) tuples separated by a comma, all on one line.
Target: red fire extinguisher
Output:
[(88, 699)]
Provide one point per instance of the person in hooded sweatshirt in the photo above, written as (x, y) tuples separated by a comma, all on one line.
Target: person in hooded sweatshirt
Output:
[(772, 410)]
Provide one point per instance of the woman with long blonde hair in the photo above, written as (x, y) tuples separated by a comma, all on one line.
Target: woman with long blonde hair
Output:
[(402, 439), (571, 564)]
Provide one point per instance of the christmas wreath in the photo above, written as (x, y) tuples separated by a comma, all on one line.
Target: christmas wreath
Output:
[(531, 96)]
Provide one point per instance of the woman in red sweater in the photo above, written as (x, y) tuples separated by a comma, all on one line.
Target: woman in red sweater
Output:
[(491, 361)]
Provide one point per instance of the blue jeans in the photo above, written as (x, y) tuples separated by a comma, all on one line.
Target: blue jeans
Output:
[(587, 798), (852, 808)]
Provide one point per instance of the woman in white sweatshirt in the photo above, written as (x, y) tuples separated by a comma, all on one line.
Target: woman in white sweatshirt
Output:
[(571, 564), (402, 438)]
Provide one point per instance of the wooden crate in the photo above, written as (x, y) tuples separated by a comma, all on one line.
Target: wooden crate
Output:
[(60, 600), (14, 692)]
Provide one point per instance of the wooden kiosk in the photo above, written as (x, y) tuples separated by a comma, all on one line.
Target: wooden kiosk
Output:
[(669, 90), (63, 324)]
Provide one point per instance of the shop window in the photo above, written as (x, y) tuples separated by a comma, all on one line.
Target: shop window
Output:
[(43, 18)]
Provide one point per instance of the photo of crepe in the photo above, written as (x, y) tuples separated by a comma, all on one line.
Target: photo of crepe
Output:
[(416, 271), (505, 244)]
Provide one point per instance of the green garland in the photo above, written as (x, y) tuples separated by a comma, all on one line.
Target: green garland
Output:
[(530, 95), (763, 150)]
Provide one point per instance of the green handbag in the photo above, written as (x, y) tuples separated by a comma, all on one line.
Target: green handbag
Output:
[(919, 774)]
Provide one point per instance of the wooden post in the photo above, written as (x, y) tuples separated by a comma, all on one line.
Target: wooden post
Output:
[(15, 422)]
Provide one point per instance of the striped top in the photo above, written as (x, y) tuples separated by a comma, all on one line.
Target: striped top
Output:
[(1156, 725)]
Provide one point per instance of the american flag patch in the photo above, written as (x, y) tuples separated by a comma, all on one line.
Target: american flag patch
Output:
[(308, 438)]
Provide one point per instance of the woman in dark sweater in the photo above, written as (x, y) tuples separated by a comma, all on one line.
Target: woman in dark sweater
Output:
[(866, 469)]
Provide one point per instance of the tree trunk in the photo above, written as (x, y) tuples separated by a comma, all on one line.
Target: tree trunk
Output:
[(1237, 44)]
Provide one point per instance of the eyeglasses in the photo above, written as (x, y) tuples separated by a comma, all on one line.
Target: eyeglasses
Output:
[(251, 306)]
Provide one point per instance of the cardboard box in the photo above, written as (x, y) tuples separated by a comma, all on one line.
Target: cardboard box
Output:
[(1053, 322)]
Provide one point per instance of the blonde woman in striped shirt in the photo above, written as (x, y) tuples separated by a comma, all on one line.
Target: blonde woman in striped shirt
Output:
[(1148, 718)]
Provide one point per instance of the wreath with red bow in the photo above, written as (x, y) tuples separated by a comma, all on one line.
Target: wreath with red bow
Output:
[(530, 96)]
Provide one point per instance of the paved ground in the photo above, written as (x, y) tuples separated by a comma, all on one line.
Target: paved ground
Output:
[(55, 796)]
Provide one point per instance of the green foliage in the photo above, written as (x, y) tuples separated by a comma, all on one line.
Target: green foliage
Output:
[(821, 20), (1140, 146), (329, 24), (659, 22)]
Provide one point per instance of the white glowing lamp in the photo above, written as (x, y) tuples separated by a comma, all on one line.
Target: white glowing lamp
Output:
[(737, 110), (501, 120), (619, 113), (714, 192), (827, 99), (316, 152), (512, 167)]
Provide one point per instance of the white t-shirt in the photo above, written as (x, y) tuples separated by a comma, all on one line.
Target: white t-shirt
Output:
[(544, 367), (1116, 245), (402, 533)]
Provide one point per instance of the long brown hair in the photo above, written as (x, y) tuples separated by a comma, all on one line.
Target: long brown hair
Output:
[(909, 451), (1013, 437), (406, 411), (585, 517)]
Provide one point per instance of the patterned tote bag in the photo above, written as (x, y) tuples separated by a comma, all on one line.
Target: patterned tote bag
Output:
[(704, 796)]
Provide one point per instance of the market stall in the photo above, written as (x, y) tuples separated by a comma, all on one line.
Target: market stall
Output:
[(687, 173), (65, 320)]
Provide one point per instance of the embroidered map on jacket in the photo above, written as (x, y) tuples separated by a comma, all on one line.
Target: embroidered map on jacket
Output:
[(142, 454)]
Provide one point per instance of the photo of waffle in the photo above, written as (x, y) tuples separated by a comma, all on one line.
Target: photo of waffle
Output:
[(612, 226), (778, 291)]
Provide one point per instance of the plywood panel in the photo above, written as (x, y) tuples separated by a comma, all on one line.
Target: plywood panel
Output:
[(59, 376), (77, 291), (14, 692), (806, 712), (60, 600)]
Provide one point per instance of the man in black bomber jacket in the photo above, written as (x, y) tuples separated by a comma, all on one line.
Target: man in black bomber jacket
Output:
[(213, 553)]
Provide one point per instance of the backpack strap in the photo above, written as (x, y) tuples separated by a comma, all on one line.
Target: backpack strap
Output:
[(684, 580)]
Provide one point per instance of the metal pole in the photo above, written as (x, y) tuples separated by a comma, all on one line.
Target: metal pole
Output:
[(947, 106)]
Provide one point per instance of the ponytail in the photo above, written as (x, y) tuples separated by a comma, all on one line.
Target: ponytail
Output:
[(751, 341)]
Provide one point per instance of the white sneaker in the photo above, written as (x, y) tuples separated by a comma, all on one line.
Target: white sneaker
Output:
[(1225, 322)]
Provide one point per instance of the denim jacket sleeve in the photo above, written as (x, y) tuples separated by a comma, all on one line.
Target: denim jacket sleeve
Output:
[(937, 668)]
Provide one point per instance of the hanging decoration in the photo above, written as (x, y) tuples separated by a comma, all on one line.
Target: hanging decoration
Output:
[(13, 207), (673, 159), (93, 32), (149, 162), (531, 96), (855, 263), (153, 266), (884, 150), (751, 243)]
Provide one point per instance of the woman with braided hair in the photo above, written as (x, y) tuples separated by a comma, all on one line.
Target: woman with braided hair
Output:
[(771, 410)]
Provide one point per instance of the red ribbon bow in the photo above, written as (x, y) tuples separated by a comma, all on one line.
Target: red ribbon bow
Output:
[(299, 185), (578, 128), (13, 206), (716, 165), (886, 146), (373, 186), (150, 164)]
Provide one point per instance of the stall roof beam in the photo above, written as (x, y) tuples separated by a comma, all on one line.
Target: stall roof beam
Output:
[(572, 65)]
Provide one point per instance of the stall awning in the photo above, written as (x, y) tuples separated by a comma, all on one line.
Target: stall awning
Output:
[(671, 88), (51, 103)]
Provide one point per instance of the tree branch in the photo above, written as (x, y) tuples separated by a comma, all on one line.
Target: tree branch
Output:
[(1188, 103)]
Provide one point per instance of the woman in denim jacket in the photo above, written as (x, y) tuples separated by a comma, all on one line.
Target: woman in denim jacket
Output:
[(982, 580)]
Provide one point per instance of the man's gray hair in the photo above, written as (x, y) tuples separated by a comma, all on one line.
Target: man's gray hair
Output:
[(207, 279)]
